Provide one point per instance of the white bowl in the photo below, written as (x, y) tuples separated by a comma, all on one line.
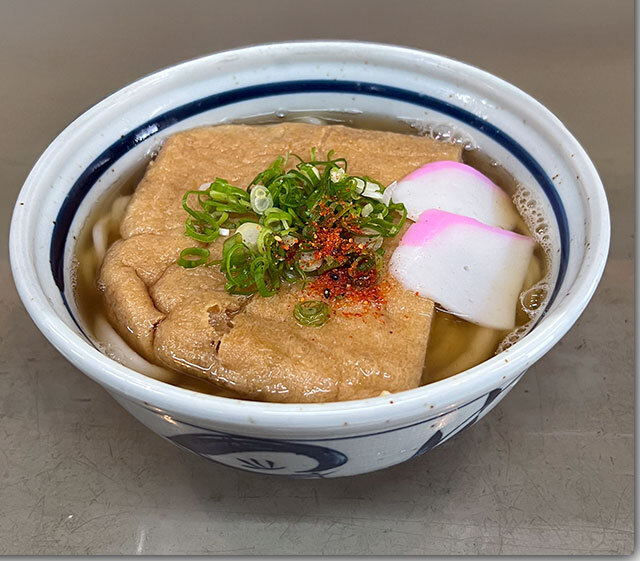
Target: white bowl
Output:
[(308, 440)]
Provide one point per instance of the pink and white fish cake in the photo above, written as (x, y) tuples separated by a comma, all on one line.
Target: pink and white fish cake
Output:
[(454, 187), (473, 270)]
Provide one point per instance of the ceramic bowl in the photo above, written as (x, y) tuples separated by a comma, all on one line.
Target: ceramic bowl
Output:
[(308, 440)]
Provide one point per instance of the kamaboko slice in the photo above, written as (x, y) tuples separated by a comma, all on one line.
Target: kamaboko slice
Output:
[(457, 188), (473, 270)]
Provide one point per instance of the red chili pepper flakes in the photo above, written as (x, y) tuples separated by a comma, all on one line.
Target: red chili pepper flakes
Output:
[(333, 234), (350, 292), (351, 297)]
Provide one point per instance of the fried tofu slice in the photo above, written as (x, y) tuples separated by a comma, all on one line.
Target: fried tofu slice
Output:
[(130, 268), (346, 358), (184, 319)]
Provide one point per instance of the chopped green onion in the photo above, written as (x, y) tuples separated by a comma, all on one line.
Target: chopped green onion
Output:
[(260, 199), (362, 264), (249, 231), (193, 257), (372, 191), (276, 219), (266, 282), (336, 174), (311, 172), (311, 313), (261, 241), (236, 263), (276, 231), (360, 184)]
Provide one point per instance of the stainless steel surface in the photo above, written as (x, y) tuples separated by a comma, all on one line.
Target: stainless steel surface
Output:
[(550, 470)]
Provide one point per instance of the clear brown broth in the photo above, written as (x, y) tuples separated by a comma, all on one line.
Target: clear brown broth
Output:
[(454, 344)]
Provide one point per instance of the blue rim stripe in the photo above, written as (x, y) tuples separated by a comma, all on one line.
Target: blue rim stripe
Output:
[(119, 148)]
